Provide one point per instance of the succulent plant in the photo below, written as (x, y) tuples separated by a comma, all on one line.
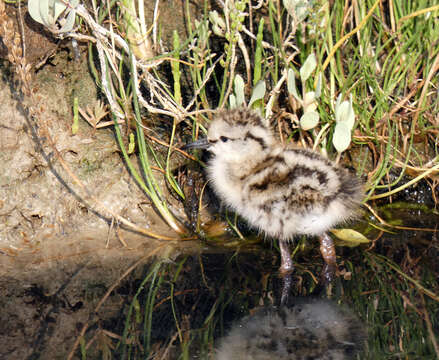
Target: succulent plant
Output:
[(57, 15)]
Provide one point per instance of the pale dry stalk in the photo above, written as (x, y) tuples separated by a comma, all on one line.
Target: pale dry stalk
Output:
[(12, 41)]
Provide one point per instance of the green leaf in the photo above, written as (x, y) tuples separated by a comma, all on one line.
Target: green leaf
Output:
[(308, 67), (36, 7), (175, 67), (75, 125), (298, 9), (309, 101), (258, 92), (337, 104), (47, 12), (319, 86), (309, 120), (289, 5), (131, 144), (257, 72), (232, 101), (342, 136), (349, 237), (70, 21), (239, 90), (219, 25), (291, 84), (342, 111), (351, 114), (58, 8)]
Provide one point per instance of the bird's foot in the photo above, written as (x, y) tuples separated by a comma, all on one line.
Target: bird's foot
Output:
[(329, 273)]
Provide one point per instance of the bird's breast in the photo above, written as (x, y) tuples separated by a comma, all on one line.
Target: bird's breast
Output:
[(225, 183)]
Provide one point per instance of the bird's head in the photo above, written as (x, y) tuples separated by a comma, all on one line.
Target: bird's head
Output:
[(237, 135)]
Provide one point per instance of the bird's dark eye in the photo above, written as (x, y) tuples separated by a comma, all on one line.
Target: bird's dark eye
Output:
[(224, 139)]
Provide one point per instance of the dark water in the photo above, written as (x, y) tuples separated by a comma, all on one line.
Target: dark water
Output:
[(387, 292)]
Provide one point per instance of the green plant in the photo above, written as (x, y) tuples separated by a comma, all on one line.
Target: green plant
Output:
[(57, 15), (351, 51)]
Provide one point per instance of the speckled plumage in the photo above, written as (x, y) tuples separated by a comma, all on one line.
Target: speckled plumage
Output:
[(311, 329), (283, 192)]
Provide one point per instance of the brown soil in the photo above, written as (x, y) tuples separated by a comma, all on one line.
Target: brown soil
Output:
[(57, 256), (53, 248)]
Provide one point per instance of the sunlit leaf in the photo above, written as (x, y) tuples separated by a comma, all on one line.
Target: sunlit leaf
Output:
[(351, 115), (290, 6), (258, 92), (342, 137), (291, 84), (131, 144), (75, 125), (342, 111), (309, 102), (47, 12), (232, 101), (239, 90), (302, 10), (36, 10), (218, 23), (309, 120), (58, 7), (350, 237), (338, 102), (70, 22), (298, 9), (308, 67)]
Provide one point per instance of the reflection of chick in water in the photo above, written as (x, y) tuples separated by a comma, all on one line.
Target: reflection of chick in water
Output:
[(311, 329)]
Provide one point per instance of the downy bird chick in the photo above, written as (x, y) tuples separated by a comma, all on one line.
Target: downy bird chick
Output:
[(310, 329), (281, 191)]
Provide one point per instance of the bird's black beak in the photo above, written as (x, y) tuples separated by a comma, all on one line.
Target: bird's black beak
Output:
[(199, 144)]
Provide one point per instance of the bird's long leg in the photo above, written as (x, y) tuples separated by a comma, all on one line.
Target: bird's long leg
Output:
[(327, 249), (286, 268), (286, 262)]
